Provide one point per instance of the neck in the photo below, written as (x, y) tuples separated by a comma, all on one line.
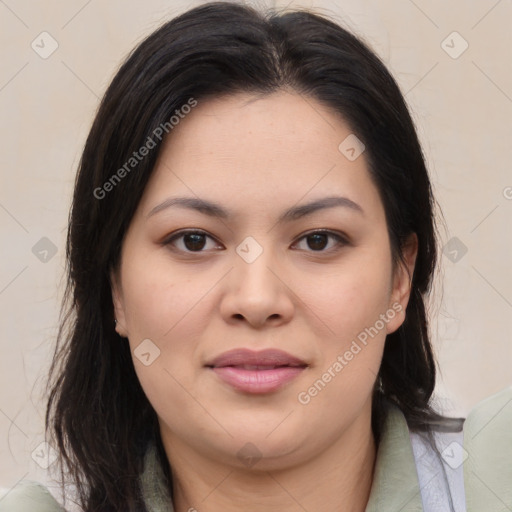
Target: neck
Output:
[(338, 478)]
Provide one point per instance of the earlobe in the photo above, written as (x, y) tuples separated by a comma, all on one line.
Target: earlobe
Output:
[(402, 282), (117, 300)]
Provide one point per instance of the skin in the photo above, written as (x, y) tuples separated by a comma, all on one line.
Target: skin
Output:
[(256, 157)]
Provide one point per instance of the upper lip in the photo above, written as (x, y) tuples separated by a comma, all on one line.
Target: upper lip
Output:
[(243, 356)]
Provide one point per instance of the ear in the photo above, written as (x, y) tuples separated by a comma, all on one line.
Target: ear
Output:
[(402, 283), (117, 299)]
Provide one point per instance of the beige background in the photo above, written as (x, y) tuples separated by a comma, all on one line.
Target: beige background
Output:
[(462, 107)]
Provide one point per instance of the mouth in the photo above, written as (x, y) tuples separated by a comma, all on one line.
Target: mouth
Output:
[(259, 366), (264, 359), (257, 372)]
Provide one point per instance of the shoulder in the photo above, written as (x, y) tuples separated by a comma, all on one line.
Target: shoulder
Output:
[(471, 469), (488, 454), (27, 496), (494, 414)]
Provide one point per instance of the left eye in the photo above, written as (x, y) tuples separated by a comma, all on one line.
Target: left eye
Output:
[(317, 240), (196, 241)]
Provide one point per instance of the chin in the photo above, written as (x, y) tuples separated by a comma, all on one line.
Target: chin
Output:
[(265, 449)]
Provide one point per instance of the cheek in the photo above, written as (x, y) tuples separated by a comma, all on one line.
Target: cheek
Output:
[(170, 311), (353, 306), (350, 298), (159, 300)]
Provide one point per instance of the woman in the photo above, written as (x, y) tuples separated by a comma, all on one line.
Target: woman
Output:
[(251, 245)]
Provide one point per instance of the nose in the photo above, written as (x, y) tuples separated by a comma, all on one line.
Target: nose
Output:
[(257, 292)]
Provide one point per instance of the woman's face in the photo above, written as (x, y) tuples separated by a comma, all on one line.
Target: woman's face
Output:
[(255, 278)]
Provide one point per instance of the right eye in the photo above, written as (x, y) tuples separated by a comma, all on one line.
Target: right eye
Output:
[(188, 241)]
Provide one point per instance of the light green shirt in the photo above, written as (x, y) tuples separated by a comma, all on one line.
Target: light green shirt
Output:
[(403, 481)]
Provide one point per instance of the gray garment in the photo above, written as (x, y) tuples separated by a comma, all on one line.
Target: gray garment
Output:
[(405, 469), (155, 492), (28, 496)]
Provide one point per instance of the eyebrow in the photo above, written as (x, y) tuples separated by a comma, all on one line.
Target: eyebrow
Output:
[(296, 212)]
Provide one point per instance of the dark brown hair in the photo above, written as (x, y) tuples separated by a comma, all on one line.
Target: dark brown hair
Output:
[(97, 414)]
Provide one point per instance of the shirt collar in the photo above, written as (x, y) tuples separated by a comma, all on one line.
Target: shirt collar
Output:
[(395, 486)]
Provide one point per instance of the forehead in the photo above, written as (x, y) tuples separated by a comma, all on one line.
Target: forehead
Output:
[(259, 149), (259, 123)]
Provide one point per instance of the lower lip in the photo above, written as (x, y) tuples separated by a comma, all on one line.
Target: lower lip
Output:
[(257, 381)]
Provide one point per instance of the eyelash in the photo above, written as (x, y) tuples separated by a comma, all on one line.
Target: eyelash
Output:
[(340, 240)]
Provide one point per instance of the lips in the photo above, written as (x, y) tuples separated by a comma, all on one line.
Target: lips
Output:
[(250, 360), (256, 372)]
